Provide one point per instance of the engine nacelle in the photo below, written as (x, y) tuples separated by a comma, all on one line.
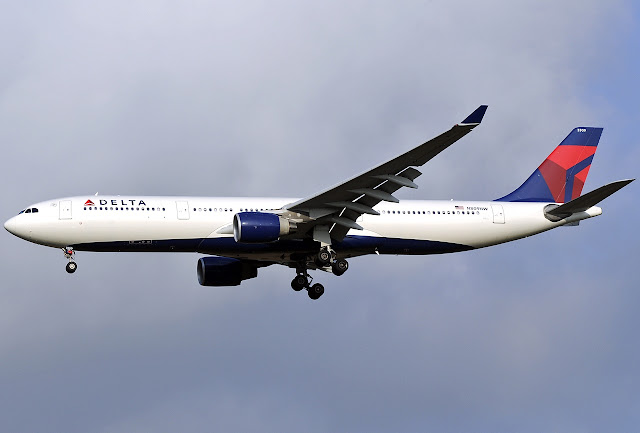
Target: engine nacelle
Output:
[(259, 227), (224, 271)]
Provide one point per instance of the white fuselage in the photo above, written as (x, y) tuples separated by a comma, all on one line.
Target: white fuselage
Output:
[(203, 224)]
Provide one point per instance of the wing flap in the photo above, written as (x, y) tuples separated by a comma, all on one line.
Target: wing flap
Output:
[(377, 184)]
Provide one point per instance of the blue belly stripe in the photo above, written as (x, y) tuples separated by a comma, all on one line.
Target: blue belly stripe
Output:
[(351, 245)]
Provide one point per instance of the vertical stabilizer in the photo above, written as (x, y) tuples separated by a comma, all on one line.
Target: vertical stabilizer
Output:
[(562, 175)]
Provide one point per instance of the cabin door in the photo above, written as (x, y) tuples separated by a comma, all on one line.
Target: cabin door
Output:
[(498, 214), (65, 210)]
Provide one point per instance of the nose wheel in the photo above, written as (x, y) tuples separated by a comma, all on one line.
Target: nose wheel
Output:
[(68, 254)]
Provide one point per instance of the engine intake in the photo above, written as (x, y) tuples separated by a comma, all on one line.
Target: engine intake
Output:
[(224, 271), (259, 227)]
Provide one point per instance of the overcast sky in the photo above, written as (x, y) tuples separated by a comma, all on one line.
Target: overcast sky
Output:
[(284, 98)]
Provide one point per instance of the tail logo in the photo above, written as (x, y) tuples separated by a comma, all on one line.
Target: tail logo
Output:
[(565, 171), (561, 176)]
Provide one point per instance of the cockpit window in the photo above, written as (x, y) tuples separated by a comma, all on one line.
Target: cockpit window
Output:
[(34, 210), (27, 211), (22, 211)]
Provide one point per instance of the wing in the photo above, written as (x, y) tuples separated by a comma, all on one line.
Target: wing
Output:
[(332, 213)]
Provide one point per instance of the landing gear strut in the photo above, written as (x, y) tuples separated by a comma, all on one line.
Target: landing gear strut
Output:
[(68, 254)]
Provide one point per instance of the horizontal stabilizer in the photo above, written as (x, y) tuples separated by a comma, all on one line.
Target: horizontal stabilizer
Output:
[(588, 200)]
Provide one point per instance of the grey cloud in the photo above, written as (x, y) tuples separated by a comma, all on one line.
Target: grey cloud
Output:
[(218, 99)]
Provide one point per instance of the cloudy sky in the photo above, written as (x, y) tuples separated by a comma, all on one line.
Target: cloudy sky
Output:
[(285, 98)]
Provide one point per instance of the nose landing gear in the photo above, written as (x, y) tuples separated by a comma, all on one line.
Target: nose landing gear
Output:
[(68, 254)]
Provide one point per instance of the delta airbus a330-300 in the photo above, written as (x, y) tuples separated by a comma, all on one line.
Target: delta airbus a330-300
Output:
[(357, 217)]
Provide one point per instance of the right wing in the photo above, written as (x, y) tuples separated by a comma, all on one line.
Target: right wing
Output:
[(332, 213)]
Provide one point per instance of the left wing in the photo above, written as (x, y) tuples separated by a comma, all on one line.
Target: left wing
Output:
[(332, 213)]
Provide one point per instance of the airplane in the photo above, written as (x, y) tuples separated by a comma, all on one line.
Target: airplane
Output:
[(360, 216)]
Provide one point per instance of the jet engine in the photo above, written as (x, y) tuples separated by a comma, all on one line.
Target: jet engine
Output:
[(224, 271), (259, 227)]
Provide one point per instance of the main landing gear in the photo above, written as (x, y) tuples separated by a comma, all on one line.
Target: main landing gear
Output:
[(326, 257), (303, 281), (323, 259), (68, 254)]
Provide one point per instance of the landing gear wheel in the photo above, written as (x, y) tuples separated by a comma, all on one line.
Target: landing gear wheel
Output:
[(323, 258), (299, 282), (71, 267), (315, 291), (339, 267)]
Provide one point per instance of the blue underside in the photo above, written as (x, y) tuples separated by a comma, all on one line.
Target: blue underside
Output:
[(351, 245)]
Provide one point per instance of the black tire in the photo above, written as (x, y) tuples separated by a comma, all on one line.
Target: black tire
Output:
[(323, 258), (339, 267), (71, 267), (316, 291), (299, 283)]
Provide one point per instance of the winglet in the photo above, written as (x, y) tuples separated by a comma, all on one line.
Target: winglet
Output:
[(476, 117)]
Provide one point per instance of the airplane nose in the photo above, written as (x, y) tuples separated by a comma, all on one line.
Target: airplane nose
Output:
[(10, 225), (16, 227)]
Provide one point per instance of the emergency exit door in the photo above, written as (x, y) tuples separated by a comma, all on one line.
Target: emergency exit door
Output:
[(183, 210)]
